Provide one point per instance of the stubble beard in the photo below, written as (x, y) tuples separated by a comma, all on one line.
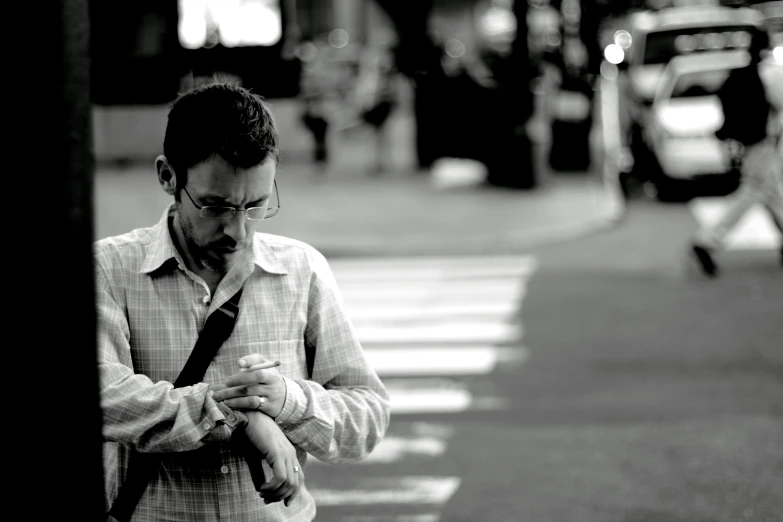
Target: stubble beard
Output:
[(202, 254)]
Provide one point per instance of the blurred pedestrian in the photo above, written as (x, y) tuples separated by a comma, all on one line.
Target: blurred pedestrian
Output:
[(226, 440), (377, 96), (316, 90), (752, 100)]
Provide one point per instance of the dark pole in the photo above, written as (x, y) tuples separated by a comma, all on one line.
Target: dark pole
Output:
[(73, 169), (50, 364)]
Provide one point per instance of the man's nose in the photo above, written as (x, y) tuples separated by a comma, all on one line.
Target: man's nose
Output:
[(236, 227)]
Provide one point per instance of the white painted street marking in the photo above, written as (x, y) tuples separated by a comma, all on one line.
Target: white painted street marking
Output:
[(427, 396), (755, 231), (441, 360), (421, 517), (454, 332), (393, 449), (496, 290), (381, 312), (399, 490), (364, 273), (419, 440), (524, 263), (431, 400)]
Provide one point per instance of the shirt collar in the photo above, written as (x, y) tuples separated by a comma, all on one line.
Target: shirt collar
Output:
[(162, 249)]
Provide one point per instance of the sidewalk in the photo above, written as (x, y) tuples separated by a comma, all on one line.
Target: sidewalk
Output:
[(396, 214)]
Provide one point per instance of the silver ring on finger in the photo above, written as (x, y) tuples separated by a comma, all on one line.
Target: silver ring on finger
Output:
[(296, 468), (261, 401)]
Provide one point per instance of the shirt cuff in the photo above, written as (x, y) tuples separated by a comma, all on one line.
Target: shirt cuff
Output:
[(219, 421), (294, 405), (233, 418)]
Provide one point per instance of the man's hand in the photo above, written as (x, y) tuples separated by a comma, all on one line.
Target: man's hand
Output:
[(280, 454), (262, 390)]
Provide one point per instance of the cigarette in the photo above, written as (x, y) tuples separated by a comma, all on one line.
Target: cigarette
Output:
[(262, 366)]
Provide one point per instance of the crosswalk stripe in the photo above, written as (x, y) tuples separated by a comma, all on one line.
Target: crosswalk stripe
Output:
[(441, 360), (345, 275), (495, 290), (394, 490), (500, 311), (394, 448), (412, 439), (525, 263), (417, 396), (755, 231), (421, 517), (453, 332)]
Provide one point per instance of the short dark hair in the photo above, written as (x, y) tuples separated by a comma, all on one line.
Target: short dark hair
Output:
[(219, 119)]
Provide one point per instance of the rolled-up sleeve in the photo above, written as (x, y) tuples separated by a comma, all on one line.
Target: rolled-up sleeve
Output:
[(343, 412), (150, 417)]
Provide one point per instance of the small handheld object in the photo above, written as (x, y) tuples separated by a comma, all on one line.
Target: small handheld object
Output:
[(262, 366)]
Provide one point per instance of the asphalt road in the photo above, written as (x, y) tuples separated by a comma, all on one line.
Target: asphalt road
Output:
[(647, 393)]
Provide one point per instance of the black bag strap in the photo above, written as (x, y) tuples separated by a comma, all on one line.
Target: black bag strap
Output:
[(141, 467), (310, 357)]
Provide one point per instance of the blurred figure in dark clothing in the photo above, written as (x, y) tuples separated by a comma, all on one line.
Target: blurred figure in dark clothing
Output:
[(377, 96), (315, 90), (752, 100)]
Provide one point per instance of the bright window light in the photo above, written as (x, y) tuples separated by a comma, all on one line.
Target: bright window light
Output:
[(233, 22)]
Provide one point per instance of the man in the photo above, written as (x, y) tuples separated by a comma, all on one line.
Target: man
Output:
[(752, 99), (155, 289), (317, 88)]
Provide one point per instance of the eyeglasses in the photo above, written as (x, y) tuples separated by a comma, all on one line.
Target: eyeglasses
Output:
[(225, 213)]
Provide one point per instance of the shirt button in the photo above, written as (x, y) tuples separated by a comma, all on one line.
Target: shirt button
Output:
[(207, 425), (206, 299), (224, 469)]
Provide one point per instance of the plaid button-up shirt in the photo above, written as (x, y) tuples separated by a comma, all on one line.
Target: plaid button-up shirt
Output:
[(150, 312)]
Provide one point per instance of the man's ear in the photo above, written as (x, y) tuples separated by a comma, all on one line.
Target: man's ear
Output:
[(166, 176)]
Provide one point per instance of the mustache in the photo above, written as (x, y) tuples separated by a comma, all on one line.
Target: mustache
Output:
[(226, 244)]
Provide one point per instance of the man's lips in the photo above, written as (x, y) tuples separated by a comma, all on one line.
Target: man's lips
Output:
[(228, 249)]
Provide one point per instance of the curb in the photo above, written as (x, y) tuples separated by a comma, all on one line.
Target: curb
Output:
[(610, 213)]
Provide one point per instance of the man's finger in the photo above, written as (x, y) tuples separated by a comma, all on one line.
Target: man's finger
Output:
[(249, 360), (280, 474), (234, 392), (216, 387), (254, 377), (247, 403), (294, 481)]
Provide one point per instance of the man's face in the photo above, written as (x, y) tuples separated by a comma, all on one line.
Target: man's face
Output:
[(214, 244)]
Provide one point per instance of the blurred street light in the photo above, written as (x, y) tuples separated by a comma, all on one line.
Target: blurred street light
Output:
[(338, 38), (455, 48), (614, 54), (623, 39)]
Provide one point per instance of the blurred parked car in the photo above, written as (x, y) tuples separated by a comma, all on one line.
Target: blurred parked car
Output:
[(685, 114), (656, 38)]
